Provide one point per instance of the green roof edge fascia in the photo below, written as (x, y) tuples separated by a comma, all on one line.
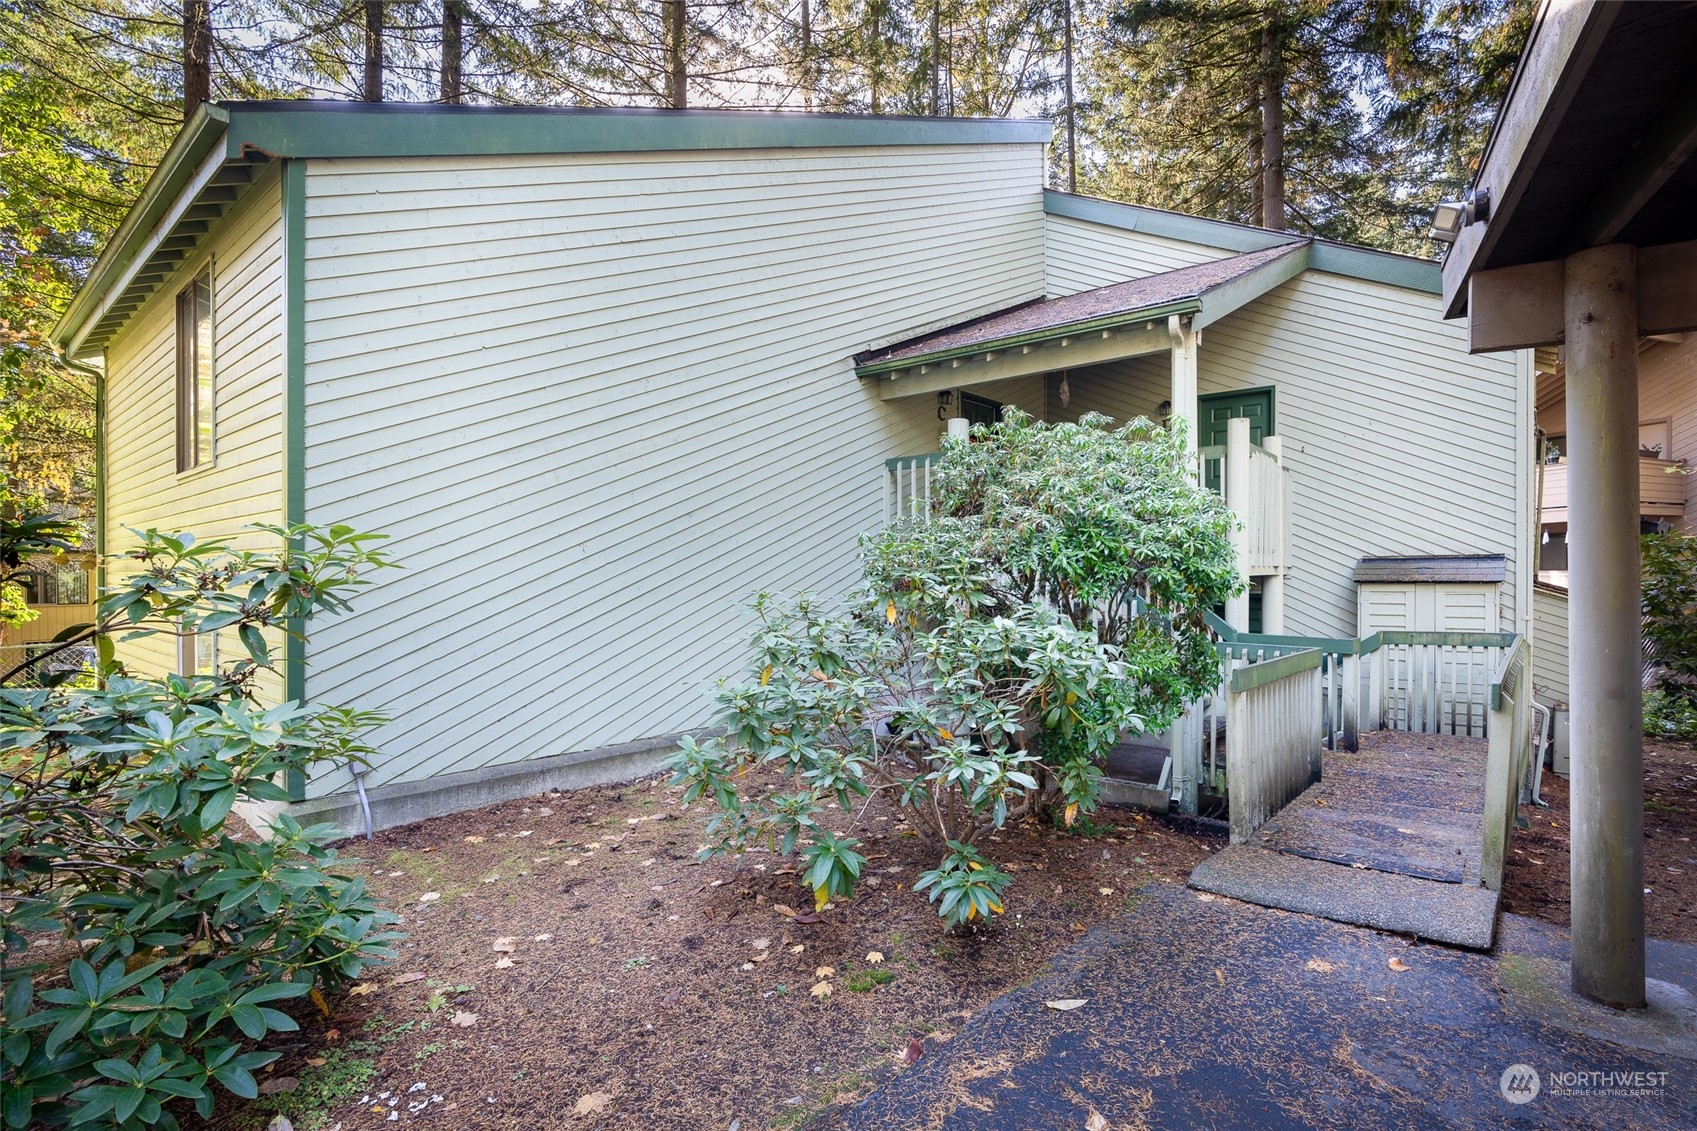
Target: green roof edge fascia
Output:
[(198, 137), (355, 129), (1033, 337), (1328, 256), (293, 192)]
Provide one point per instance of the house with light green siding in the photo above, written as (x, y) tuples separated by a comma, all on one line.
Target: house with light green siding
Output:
[(603, 374)]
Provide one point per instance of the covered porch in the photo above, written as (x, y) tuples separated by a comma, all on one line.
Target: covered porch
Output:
[(1126, 350)]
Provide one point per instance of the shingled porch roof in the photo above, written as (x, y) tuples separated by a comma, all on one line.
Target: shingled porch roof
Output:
[(1122, 320)]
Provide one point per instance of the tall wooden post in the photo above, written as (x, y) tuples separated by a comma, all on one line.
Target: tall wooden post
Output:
[(1185, 343), (1601, 315), (1273, 585)]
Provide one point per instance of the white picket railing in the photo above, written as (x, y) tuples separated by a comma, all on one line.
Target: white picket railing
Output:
[(1508, 761), (1272, 736), (907, 486)]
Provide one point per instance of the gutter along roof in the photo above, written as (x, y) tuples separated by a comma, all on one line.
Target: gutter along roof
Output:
[(223, 145)]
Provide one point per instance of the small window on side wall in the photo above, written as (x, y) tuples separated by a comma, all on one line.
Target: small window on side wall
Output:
[(194, 373)]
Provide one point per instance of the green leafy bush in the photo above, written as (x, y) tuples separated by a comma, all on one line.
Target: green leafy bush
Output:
[(994, 654), (1670, 630), (145, 949)]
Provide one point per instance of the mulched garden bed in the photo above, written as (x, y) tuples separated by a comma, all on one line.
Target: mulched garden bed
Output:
[(1535, 881), (570, 964)]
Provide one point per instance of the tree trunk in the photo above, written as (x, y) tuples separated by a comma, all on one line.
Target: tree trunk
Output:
[(677, 74), (1272, 129), (807, 54), (875, 48), (1072, 127), (936, 57), (372, 89), (197, 54), (453, 50)]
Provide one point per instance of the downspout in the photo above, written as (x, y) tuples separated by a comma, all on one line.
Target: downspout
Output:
[(98, 375)]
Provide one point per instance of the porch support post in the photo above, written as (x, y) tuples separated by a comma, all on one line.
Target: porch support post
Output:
[(1273, 585), (1601, 313), (1184, 381), (1237, 496)]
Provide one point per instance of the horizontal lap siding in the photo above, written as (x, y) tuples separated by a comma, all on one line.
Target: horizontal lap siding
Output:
[(1397, 441), (1549, 645), (1082, 256), (599, 402), (244, 483)]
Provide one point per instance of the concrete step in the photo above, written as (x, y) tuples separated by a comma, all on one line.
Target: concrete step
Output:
[(1461, 915)]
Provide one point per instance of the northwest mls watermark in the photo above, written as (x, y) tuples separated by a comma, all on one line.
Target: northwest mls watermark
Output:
[(1521, 1084)]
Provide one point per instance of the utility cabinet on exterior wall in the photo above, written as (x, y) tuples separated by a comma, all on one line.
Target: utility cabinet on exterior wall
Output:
[(1429, 594)]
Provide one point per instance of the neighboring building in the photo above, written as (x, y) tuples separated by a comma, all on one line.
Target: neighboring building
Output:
[(604, 374), (1667, 487), (60, 590), (1667, 446)]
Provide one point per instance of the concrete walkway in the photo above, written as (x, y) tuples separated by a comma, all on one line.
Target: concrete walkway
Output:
[(1204, 1012), (1389, 838)]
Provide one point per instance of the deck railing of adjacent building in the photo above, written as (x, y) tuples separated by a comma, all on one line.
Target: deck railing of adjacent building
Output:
[(1661, 489)]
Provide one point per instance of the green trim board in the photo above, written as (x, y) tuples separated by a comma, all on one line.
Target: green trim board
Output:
[(398, 129), (1349, 260), (294, 408)]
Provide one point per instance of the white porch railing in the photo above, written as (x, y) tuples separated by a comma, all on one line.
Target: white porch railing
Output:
[(1508, 761), (1272, 736), (1256, 486), (907, 486)]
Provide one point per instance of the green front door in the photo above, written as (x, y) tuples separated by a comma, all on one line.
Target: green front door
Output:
[(1214, 410)]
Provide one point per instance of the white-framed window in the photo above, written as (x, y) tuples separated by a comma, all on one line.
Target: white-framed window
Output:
[(194, 372), (197, 653)]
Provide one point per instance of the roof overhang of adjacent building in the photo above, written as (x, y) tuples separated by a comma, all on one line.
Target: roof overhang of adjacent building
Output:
[(1592, 146), (222, 145), (1110, 323)]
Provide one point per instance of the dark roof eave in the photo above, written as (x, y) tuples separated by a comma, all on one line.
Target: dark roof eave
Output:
[(1190, 305), (193, 145)]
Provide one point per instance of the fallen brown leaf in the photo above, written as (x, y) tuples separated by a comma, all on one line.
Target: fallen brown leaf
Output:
[(1067, 1004), (1319, 966), (505, 962), (785, 910), (362, 989), (592, 1103), (822, 990), (1220, 974), (824, 971), (1398, 965), (463, 1019), (874, 956), (1096, 1122), (913, 1052), (403, 979), (504, 945)]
